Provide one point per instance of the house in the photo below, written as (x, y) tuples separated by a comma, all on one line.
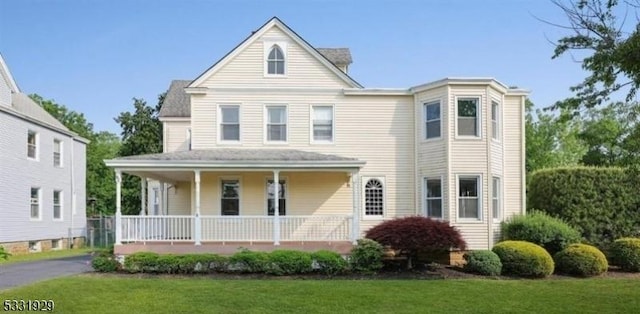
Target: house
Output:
[(276, 146), (42, 175)]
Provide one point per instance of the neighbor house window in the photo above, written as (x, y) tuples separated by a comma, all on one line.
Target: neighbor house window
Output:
[(275, 61), (230, 123), (495, 120), (32, 144), (276, 123), (57, 205), (230, 200), (433, 201), (57, 153), (282, 198), (432, 120), (35, 203), (469, 197), (468, 117), (496, 198), (322, 123), (374, 197)]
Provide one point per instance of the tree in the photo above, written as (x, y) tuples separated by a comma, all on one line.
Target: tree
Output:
[(74, 121), (141, 134), (614, 62)]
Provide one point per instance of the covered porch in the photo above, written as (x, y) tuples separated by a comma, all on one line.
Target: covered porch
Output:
[(223, 199)]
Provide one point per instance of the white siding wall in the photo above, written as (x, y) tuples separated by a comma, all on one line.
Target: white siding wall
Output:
[(5, 92), (176, 136), (513, 155)]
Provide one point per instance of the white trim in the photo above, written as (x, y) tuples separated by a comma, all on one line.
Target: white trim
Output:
[(479, 116), (267, 46), (36, 145), (4, 69), (480, 191), (365, 180), (61, 144), (425, 200), (377, 91), (230, 178), (174, 119), (39, 189), (333, 124), (266, 195), (219, 139), (424, 121), (266, 122), (53, 205)]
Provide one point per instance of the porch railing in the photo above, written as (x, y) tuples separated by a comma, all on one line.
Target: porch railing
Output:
[(237, 228)]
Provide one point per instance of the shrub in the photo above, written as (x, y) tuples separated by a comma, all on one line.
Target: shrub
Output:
[(602, 203), (525, 259), (485, 263), (412, 235), (581, 260), (246, 261), (287, 262), (329, 262), (537, 227), (625, 253), (4, 254), (141, 262), (105, 264), (366, 256)]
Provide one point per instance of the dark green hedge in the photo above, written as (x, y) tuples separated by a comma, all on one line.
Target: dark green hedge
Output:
[(602, 203)]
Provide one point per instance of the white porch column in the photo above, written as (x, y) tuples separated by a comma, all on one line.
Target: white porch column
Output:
[(198, 224), (276, 207), (355, 192), (118, 207), (143, 196)]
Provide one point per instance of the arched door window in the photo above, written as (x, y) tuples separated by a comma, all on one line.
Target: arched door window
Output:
[(374, 197)]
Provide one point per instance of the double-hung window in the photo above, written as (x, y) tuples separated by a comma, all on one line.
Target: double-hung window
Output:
[(432, 120), (496, 195), (229, 123), (276, 123), (230, 200), (469, 197), (57, 205), (35, 203), (433, 201), (469, 117), (275, 61), (32, 144), (57, 153), (322, 121), (282, 198), (495, 120)]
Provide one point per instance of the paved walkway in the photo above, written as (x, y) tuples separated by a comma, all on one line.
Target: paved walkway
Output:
[(19, 274)]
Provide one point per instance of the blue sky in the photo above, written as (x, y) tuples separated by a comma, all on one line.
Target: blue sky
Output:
[(95, 56)]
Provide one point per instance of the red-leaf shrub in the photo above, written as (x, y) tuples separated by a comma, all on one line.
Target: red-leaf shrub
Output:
[(411, 235)]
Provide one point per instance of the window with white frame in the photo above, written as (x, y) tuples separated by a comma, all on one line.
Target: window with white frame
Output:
[(432, 120), (276, 123), (282, 197), (57, 205), (496, 195), (32, 144), (229, 123), (469, 117), (469, 197), (433, 200), (374, 197), (495, 120), (322, 124), (230, 199), (35, 203), (57, 153), (189, 138), (275, 61)]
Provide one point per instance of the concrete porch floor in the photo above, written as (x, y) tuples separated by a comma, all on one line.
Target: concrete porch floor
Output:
[(229, 248)]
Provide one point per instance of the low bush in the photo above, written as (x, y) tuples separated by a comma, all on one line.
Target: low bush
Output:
[(4, 254), (287, 262), (485, 263), (105, 264), (141, 262), (551, 233), (329, 262), (366, 256), (625, 253), (246, 261), (413, 235), (524, 259), (581, 260)]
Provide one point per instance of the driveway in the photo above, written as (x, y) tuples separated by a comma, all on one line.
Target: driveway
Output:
[(19, 274)]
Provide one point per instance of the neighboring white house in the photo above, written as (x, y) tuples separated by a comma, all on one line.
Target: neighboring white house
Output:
[(276, 109), (42, 175)]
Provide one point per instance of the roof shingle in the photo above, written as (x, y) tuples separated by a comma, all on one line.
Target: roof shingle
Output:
[(234, 154), (177, 103), (337, 56)]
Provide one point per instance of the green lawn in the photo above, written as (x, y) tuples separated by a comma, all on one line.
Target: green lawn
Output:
[(43, 255), (111, 294)]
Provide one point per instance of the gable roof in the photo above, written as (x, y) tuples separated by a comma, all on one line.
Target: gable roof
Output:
[(6, 74), (177, 103), (337, 56), (274, 22)]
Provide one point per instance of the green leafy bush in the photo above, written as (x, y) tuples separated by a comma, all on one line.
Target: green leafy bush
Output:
[(246, 261), (287, 262), (551, 233), (602, 203), (484, 262), (329, 262), (4, 254), (524, 259), (366, 256), (105, 264), (581, 260), (141, 262), (625, 253)]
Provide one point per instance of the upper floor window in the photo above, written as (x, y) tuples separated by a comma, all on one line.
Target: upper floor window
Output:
[(275, 61), (433, 201), (32, 144), (432, 120), (322, 121), (374, 197), (469, 197), (35, 203), (57, 205), (468, 117), (230, 123), (276, 123), (57, 153), (495, 120)]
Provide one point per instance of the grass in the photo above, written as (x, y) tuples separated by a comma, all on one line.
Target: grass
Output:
[(116, 294), (43, 255)]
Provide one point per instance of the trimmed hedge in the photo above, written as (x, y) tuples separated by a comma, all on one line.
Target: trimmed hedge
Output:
[(551, 233), (484, 262), (581, 260), (105, 264), (147, 262), (366, 256), (329, 262), (625, 253), (247, 261), (288, 262), (602, 203), (524, 259), (4, 254)]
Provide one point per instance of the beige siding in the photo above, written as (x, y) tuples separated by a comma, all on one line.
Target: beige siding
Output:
[(176, 136), (513, 157), (179, 199)]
